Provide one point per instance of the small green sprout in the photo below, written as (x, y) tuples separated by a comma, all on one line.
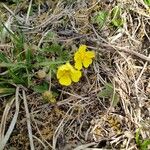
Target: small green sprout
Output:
[(142, 144), (147, 2), (116, 18), (101, 18)]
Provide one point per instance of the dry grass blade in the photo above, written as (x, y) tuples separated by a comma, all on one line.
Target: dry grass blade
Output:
[(28, 121), (58, 129), (7, 26), (28, 13), (143, 57), (4, 140), (12, 13), (40, 141), (4, 118), (85, 146), (112, 47)]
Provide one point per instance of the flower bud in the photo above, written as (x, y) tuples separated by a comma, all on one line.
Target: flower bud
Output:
[(48, 96), (41, 74)]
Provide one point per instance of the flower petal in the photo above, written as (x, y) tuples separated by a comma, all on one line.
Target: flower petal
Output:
[(76, 75), (90, 54), (82, 48), (65, 80), (60, 73), (62, 69), (77, 56), (69, 66), (87, 62), (78, 65)]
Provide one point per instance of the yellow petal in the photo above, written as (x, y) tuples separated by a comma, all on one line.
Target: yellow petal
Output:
[(82, 48), (62, 69), (82, 51), (77, 56), (80, 54), (65, 80), (59, 73), (90, 54), (87, 62), (78, 65), (69, 66), (76, 75)]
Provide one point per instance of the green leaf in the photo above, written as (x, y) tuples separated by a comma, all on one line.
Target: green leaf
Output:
[(13, 65), (64, 56), (54, 48), (6, 91), (18, 76), (28, 55), (41, 88), (40, 58), (145, 144), (3, 58), (116, 18), (19, 47), (50, 35), (137, 137), (108, 92), (48, 63), (142, 144), (147, 2), (101, 18), (117, 22)]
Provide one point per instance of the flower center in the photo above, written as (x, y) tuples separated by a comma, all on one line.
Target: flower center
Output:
[(67, 73)]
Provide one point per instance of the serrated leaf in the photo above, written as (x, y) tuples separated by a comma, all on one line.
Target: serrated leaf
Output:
[(40, 58), (41, 88), (108, 92), (101, 18), (63, 56), (54, 48)]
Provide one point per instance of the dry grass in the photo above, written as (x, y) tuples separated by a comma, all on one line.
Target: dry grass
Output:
[(81, 119)]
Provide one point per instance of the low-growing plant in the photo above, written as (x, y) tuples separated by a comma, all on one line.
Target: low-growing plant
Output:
[(109, 93), (147, 2), (116, 18), (143, 144), (34, 69), (113, 18), (101, 18), (21, 66)]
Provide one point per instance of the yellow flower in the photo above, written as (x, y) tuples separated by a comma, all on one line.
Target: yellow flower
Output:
[(83, 57), (66, 74)]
